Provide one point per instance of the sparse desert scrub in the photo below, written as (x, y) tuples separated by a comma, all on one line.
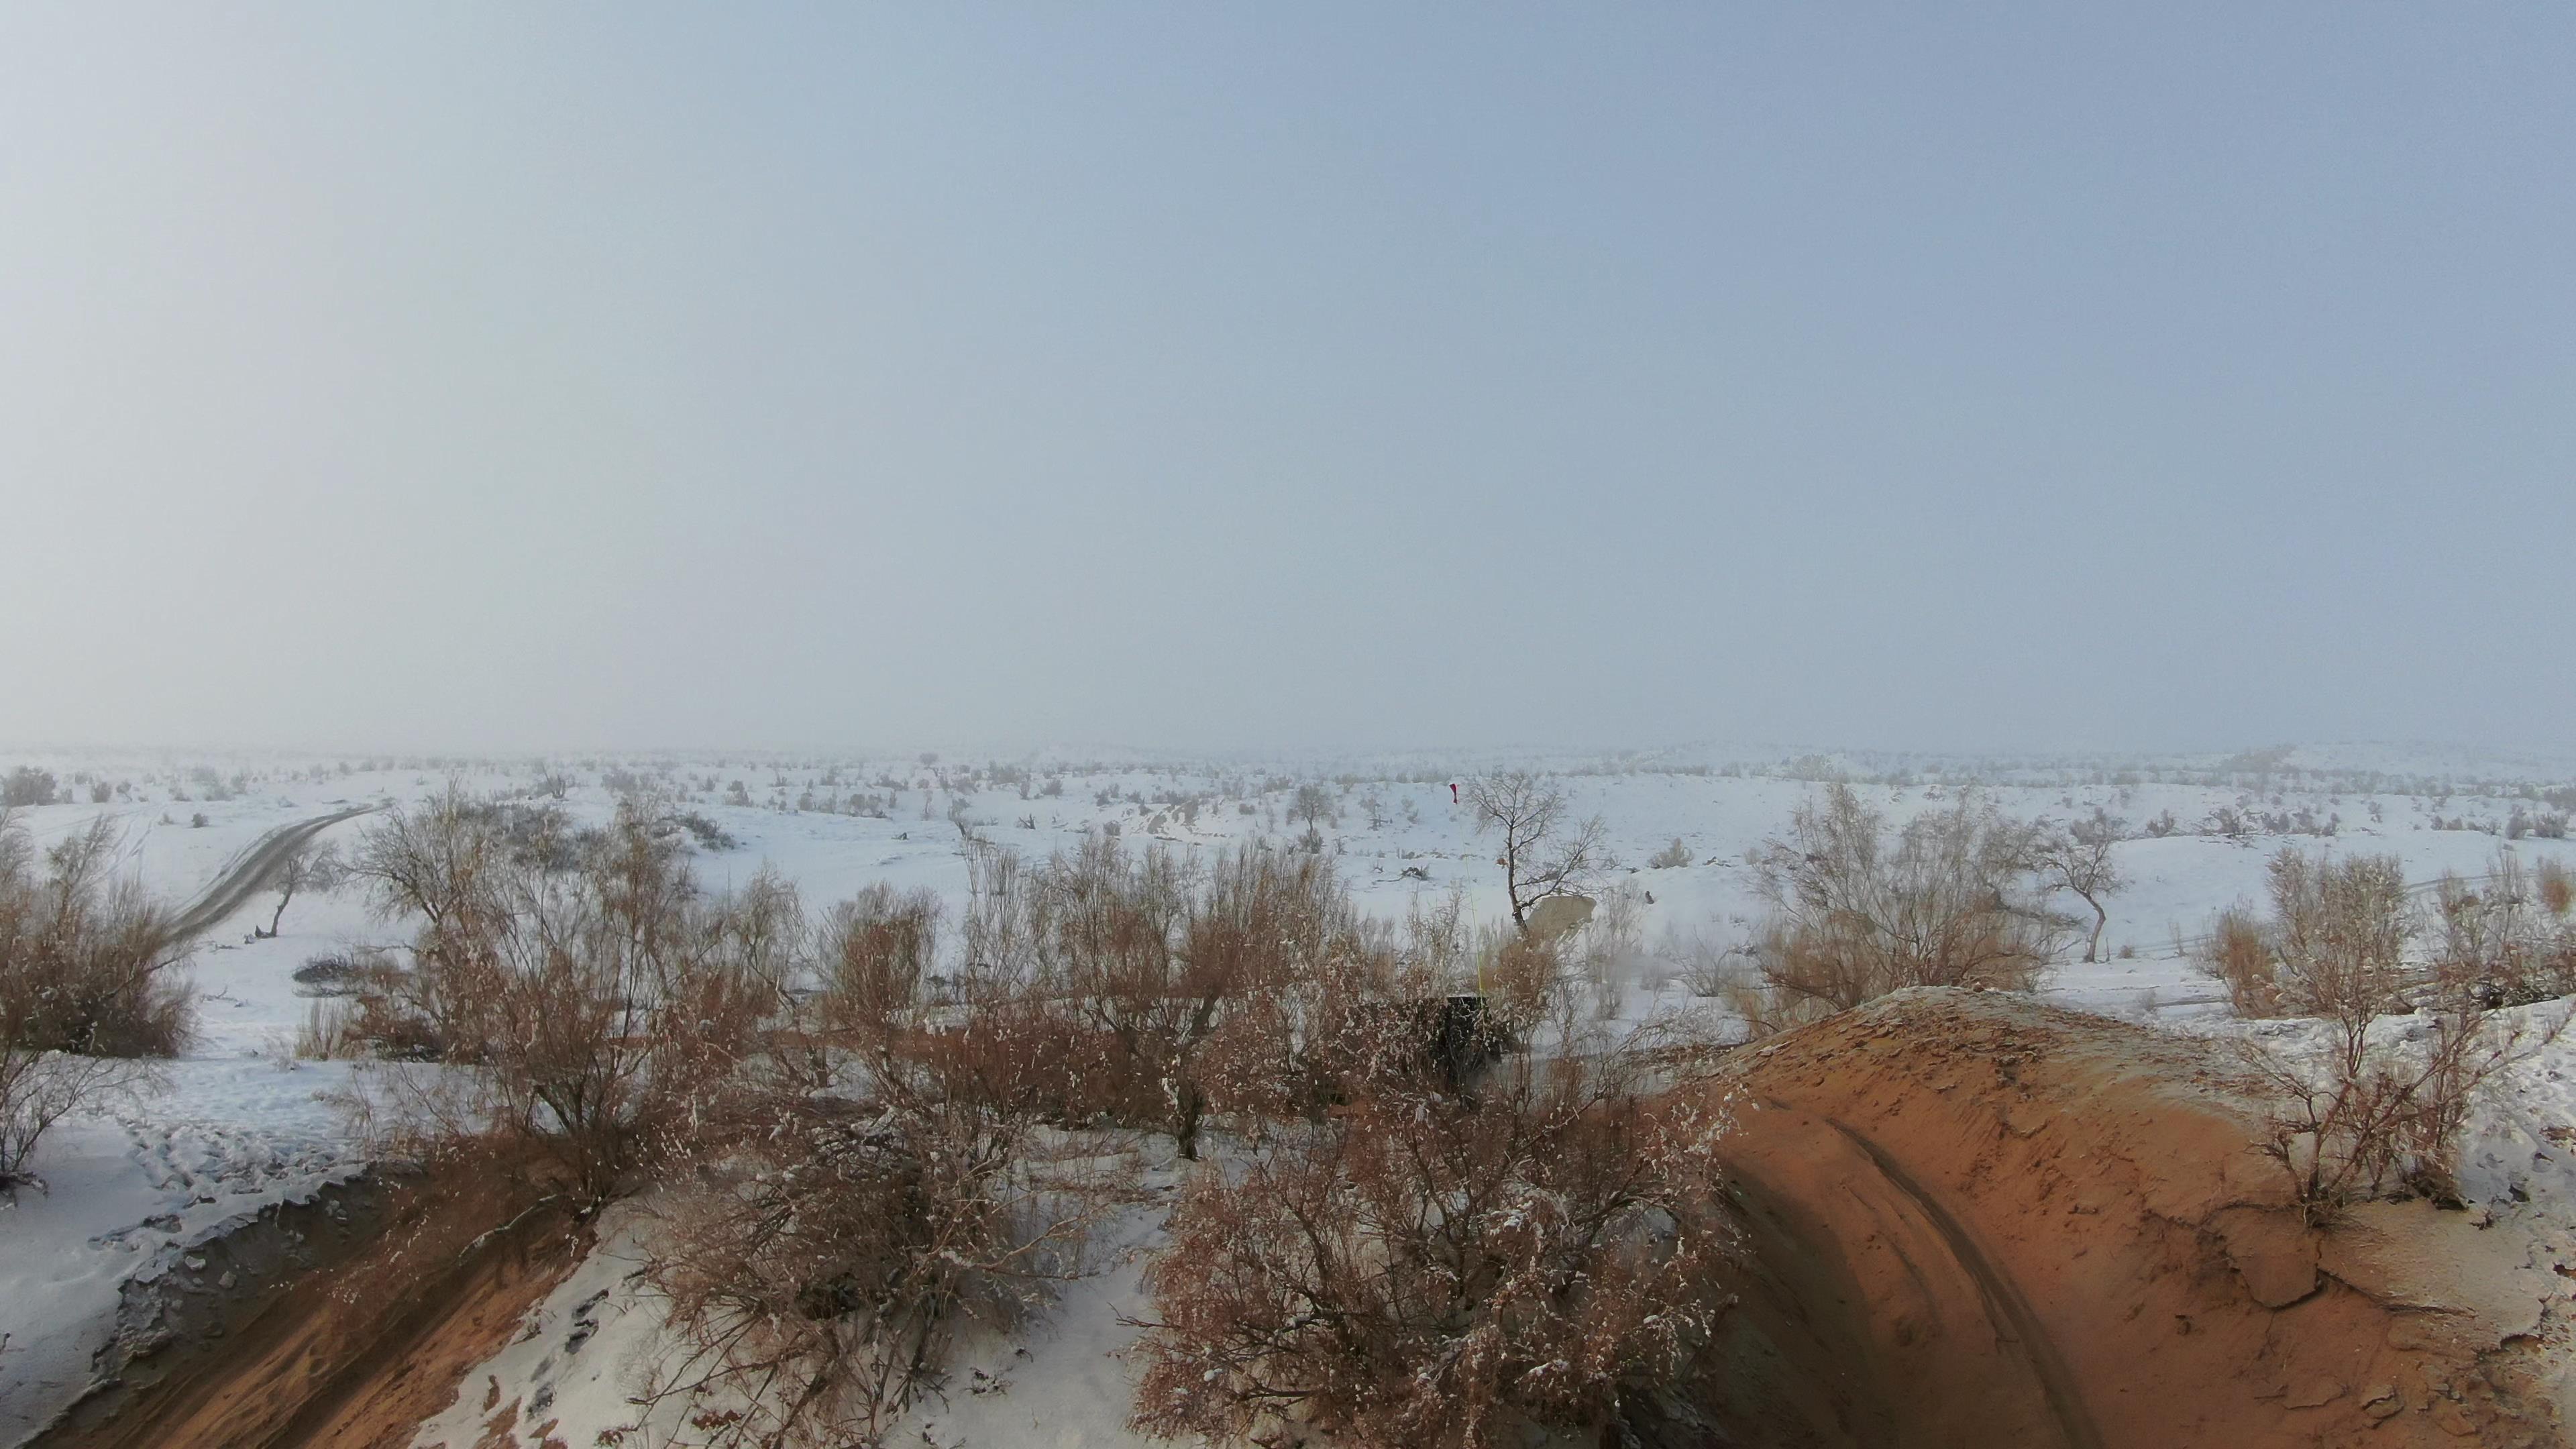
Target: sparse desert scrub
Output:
[(1421, 1269), (1859, 910)]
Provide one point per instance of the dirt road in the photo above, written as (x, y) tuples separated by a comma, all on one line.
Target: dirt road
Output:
[(250, 872)]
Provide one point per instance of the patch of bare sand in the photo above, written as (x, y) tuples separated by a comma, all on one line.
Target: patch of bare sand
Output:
[(1976, 1220), (358, 1336)]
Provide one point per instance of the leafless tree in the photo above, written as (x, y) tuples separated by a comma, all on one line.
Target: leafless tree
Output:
[(1545, 851), (437, 858), (2079, 859), (1313, 804), (316, 867)]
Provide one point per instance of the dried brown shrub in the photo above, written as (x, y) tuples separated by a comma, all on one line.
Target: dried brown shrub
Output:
[(89, 986), (2381, 1106), (817, 1268), (2237, 953), (592, 1009), (1125, 984), (89, 964), (2557, 887), (874, 950), (1423, 1270), (2334, 947), (1860, 910), (2496, 940)]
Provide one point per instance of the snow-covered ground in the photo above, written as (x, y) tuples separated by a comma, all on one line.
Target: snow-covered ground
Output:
[(241, 1123)]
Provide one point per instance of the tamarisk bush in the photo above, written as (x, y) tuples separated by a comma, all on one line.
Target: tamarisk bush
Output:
[(90, 987), (816, 1270), (1859, 909), (2383, 1105), (1425, 1269)]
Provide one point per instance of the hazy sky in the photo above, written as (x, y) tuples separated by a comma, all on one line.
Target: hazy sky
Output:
[(524, 376)]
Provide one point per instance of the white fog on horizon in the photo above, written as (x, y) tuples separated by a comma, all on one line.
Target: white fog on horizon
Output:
[(494, 378)]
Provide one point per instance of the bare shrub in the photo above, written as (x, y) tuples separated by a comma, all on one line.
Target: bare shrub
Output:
[(2557, 887), (591, 1011), (874, 949), (1419, 1270), (2338, 937), (2334, 947), (84, 989), (1334, 1025), (2237, 953), (1671, 857), (2371, 1117), (91, 961), (816, 1272), (330, 1031), (40, 1088), (2498, 941), (1858, 911), (2369, 1114), (1520, 979), (1116, 971), (1701, 962)]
